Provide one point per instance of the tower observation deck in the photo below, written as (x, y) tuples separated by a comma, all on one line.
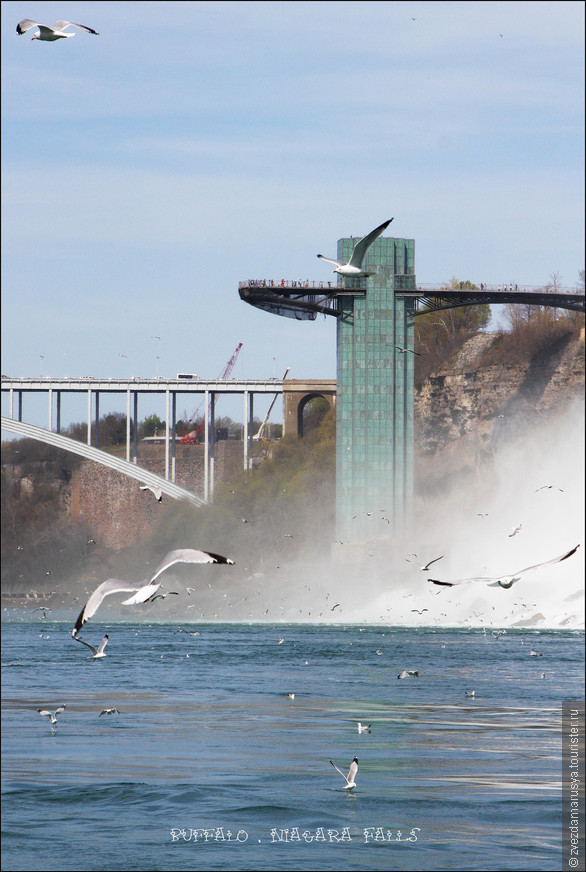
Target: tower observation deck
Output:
[(375, 369)]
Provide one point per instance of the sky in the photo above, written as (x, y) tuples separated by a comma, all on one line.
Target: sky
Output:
[(193, 145)]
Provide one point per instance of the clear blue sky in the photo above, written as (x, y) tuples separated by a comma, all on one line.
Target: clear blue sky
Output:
[(147, 170)]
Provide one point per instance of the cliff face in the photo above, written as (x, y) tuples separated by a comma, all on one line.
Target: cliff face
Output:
[(463, 410)]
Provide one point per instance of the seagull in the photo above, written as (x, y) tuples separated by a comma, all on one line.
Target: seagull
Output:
[(50, 34), (533, 653), (549, 487), (52, 715), (419, 611), (291, 696), (363, 728), (109, 711), (507, 581), (350, 778), (424, 568), (143, 590), (98, 652), (469, 693), (409, 673), (353, 268), (515, 531), (156, 490), (405, 350)]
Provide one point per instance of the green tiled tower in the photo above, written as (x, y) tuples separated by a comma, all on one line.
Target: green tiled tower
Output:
[(374, 441)]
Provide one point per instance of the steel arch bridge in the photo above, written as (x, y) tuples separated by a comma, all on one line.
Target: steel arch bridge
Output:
[(88, 451)]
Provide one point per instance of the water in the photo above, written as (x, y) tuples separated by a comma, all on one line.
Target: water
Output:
[(207, 738)]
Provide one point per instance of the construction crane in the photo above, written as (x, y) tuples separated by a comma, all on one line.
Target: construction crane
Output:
[(193, 437), (260, 431)]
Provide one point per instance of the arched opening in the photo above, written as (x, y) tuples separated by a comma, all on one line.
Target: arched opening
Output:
[(310, 412)]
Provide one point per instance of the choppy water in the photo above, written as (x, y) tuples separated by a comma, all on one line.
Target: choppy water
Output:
[(206, 738)]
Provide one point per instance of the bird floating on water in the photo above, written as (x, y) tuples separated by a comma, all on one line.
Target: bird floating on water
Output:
[(98, 652), (363, 728), (350, 779), (506, 581), (353, 268), (143, 590), (50, 34)]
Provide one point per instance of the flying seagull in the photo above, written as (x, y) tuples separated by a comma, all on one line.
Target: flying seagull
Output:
[(405, 350), (98, 652), (350, 778), (109, 711), (52, 715), (143, 590), (515, 530), (50, 34), (353, 268), (363, 728), (156, 490), (424, 566), (409, 673), (507, 581)]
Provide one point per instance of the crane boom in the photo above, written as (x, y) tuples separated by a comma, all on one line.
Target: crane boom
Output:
[(226, 372)]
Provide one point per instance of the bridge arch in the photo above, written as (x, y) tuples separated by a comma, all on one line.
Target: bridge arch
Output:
[(130, 469), (297, 393)]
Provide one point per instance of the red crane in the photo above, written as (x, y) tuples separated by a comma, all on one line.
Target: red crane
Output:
[(228, 369)]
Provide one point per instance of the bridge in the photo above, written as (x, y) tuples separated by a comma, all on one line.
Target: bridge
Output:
[(15, 389), (375, 376)]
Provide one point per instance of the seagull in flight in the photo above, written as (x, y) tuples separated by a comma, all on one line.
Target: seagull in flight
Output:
[(507, 581), (409, 673), (156, 490), (50, 34), (515, 530), (353, 268), (98, 652), (422, 566), (549, 487), (143, 590), (405, 350), (363, 728), (350, 779), (52, 715), (109, 711)]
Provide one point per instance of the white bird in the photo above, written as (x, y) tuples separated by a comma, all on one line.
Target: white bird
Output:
[(109, 711), (98, 652), (424, 567), (291, 696), (50, 34), (353, 268), (405, 350), (533, 653), (143, 590), (409, 673), (156, 490), (363, 728), (350, 779), (507, 581), (52, 715), (470, 693)]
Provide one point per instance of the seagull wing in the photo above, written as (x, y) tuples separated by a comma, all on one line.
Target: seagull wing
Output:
[(87, 644), (548, 562), (352, 772), (364, 244), (60, 709), (63, 25), (187, 555), (335, 767), (331, 260), (25, 25), (103, 644), (144, 593), (50, 714), (110, 586)]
